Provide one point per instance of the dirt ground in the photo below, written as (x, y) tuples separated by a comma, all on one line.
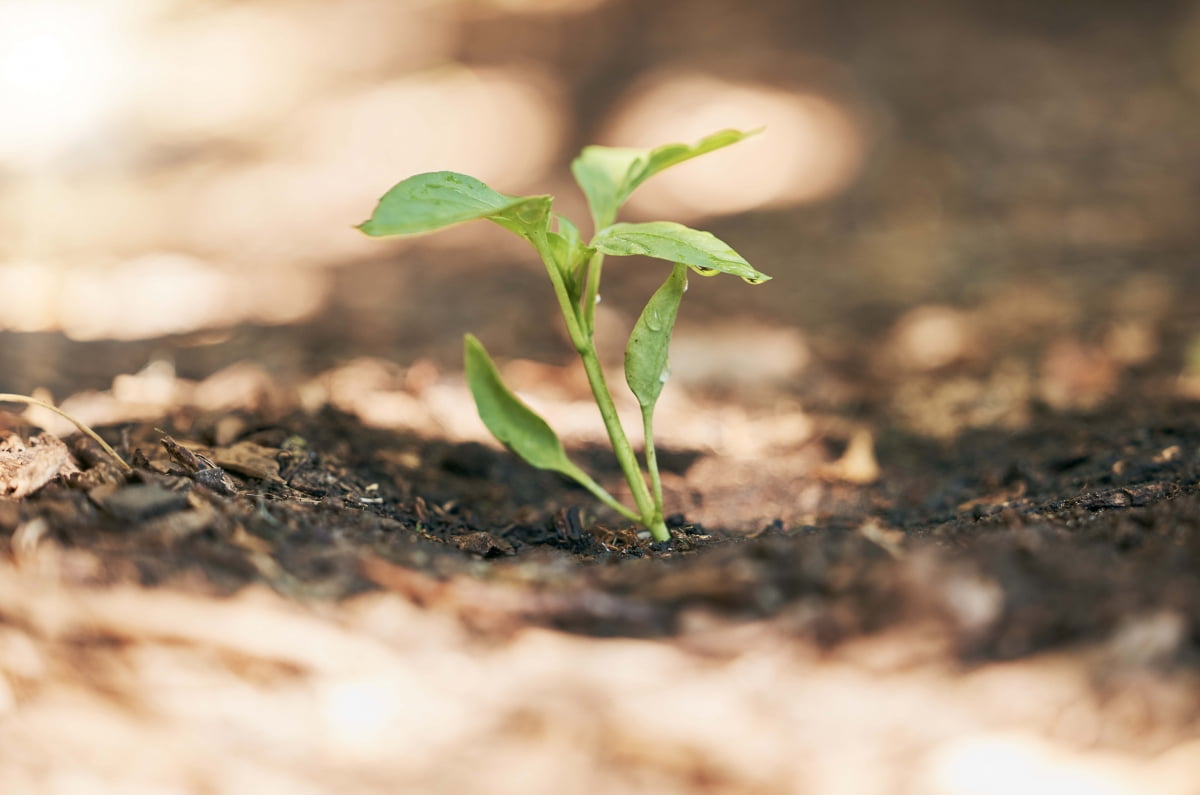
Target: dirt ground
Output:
[(936, 520)]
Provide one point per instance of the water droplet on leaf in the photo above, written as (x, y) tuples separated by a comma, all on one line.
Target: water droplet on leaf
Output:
[(663, 376)]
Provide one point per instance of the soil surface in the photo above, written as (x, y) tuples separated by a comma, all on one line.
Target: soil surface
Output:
[(953, 547)]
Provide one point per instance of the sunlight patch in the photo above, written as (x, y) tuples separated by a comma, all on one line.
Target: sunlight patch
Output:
[(60, 66), (154, 295), (812, 147)]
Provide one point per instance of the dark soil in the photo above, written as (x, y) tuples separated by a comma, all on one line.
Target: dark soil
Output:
[(1081, 523), (1021, 503)]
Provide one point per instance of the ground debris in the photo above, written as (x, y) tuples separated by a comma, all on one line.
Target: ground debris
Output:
[(139, 501), (26, 466), (201, 468), (250, 460)]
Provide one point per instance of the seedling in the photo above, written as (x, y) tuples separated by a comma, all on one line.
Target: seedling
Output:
[(607, 175)]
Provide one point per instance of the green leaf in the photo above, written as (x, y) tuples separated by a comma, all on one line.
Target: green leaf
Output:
[(431, 201), (701, 251), (567, 247), (667, 155), (512, 422), (529, 217), (569, 233), (646, 354), (569, 255), (609, 174), (520, 429), (602, 172)]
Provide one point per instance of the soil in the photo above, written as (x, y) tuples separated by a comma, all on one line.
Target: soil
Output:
[(956, 551), (1069, 530)]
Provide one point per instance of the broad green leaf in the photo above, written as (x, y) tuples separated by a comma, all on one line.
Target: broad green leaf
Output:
[(512, 422), (646, 354), (426, 202), (701, 251), (528, 217), (667, 155), (609, 174), (603, 173), (520, 429)]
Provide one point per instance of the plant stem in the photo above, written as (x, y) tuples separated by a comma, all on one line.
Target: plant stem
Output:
[(581, 338), (658, 530), (9, 398), (600, 493), (591, 292), (652, 459), (616, 434), (566, 306)]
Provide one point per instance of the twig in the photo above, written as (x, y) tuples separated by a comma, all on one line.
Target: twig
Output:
[(10, 398)]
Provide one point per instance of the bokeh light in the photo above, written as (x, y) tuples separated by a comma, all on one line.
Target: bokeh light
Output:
[(178, 166), (61, 65), (543, 6), (811, 149)]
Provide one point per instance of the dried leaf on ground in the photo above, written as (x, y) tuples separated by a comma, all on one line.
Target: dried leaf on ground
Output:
[(250, 459), (26, 466), (202, 469)]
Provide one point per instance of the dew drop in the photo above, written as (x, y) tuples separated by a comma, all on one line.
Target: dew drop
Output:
[(663, 376), (597, 298)]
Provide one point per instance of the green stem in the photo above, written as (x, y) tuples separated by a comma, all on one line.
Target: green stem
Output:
[(652, 459), (9, 398), (600, 493), (591, 292), (581, 338), (570, 311), (616, 434)]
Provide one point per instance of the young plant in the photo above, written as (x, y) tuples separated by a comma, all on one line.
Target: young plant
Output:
[(608, 176)]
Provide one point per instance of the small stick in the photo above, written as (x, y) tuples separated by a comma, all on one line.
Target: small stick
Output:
[(10, 398)]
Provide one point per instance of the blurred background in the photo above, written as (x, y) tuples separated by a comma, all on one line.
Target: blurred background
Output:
[(969, 208)]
